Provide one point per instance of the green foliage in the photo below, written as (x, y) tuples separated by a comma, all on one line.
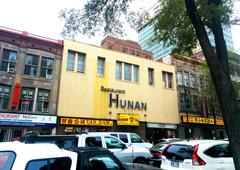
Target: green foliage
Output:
[(97, 16), (234, 69), (172, 25)]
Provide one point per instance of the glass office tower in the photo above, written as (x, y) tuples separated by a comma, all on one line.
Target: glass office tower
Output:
[(146, 32)]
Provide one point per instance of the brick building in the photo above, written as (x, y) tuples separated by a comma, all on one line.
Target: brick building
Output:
[(29, 76), (125, 46)]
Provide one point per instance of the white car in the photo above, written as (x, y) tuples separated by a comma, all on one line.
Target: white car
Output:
[(198, 155), (130, 139), (19, 156), (125, 153)]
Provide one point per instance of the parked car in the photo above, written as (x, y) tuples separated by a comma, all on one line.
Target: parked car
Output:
[(44, 156), (130, 139), (197, 154), (125, 153), (157, 149)]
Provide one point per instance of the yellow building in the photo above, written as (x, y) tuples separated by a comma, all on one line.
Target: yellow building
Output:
[(105, 90)]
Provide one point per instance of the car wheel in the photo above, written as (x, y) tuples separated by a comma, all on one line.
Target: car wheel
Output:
[(157, 164), (141, 161)]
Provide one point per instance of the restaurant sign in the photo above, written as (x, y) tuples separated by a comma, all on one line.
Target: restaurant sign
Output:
[(9, 119), (202, 120), (85, 122), (128, 119)]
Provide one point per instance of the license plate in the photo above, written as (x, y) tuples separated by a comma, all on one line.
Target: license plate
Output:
[(174, 164)]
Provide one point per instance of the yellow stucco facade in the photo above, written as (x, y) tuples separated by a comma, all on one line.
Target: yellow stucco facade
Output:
[(82, 95)]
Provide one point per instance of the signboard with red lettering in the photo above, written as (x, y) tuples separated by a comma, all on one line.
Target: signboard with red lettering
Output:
[(86, 122), (10, 119), (202, 120), (128, 119)]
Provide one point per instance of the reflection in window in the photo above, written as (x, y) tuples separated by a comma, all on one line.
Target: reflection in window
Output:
[(46, 67), (8, 62), (179, 78), (193, 80), (135, 73), (186, 78), (127, 72), (81, 62), (150, 76), (5, 92), (118, 70), (63, 163), (6, 160), (167, 79), (135, 138), (113, 143), (43, 100), (103, 162), (70, 60), (26, 100), (31, 65), (101, 64)]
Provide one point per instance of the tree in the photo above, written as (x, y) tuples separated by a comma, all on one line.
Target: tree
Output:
[(183, 23), (209, 91)]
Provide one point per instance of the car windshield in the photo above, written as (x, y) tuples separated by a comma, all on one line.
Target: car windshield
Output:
[(159, 146), (6, 160)]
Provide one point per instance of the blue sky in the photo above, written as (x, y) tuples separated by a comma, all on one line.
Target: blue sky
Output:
[(41, 18)]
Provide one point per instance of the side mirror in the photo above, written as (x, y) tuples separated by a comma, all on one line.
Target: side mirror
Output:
[(124, 146)]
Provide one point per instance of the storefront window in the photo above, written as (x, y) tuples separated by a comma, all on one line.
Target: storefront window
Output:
[(16, 134), (3, 135)]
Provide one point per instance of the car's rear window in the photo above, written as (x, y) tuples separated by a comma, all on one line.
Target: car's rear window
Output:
[(6, 160), (178, 152)]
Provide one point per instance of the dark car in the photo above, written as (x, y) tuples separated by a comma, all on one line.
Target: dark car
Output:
[(157, 149)]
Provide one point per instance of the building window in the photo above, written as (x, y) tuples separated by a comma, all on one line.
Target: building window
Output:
[(118, 70), (182, 101), (193, 80), (195, 103), (46, 67), (131, 72), (31, 65), (167, 79), (5, 92), (135, 73), (43, 100), (81, 62), (125, 50), (150, 76), (202, 83), (101, 65), (127, 72), (186, 78), (179, 78), (8, 63), (70, 60), (27, 98)]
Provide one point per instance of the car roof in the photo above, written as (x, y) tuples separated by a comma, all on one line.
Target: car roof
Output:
[(90, 149), (195, 142), (110, 133), (37, 149)]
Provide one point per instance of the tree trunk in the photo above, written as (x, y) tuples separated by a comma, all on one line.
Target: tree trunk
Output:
[(221, 79)]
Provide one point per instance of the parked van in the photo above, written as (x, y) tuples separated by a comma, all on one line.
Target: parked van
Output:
[(129, 138)]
